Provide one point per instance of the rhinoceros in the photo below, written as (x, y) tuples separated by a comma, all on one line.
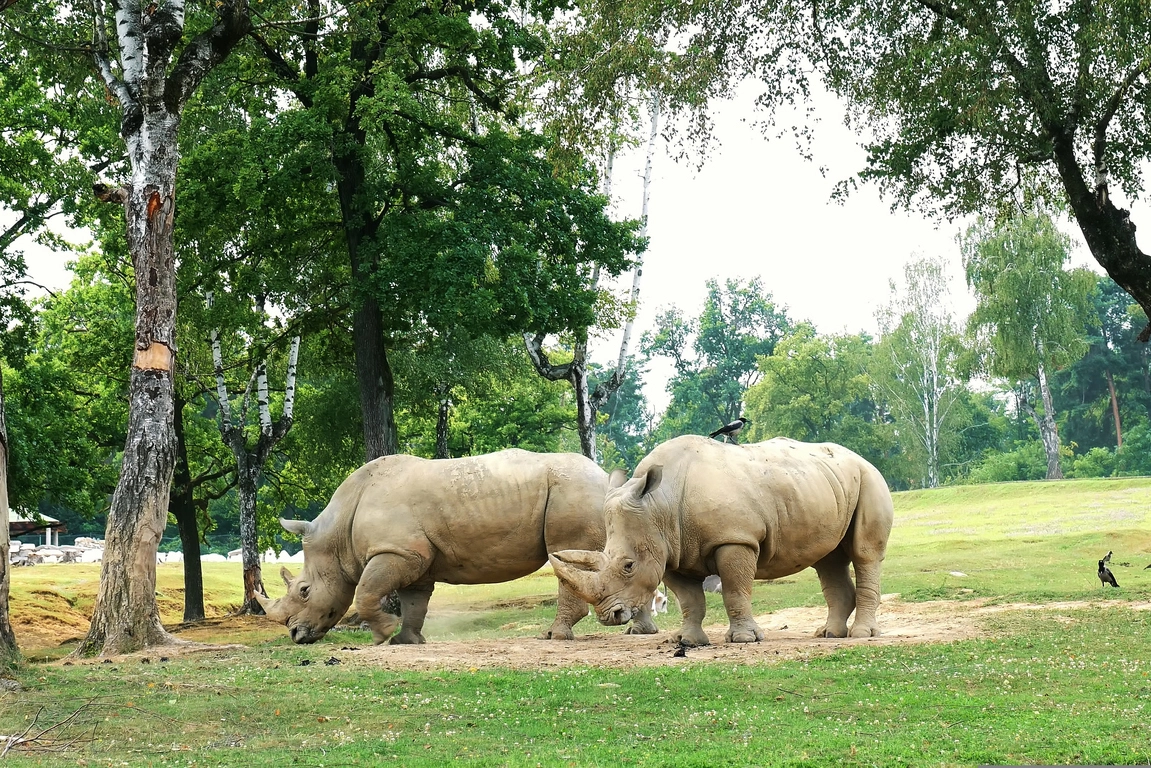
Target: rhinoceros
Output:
[(696, 507), (403, 523)]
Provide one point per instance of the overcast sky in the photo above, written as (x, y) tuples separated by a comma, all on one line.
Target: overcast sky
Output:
[(756, 208)]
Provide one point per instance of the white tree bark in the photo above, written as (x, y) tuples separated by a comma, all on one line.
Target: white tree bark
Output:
[(925, 386), (250, 461), (152, 87), (637, 276)]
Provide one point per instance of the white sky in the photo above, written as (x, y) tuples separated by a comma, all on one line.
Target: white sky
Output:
[(755, 208)]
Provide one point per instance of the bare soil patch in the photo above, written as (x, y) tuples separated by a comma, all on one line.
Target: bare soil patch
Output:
[(788, 636)]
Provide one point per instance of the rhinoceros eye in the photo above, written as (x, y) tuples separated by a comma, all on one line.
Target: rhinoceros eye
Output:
[(628, 566), (303, 591)]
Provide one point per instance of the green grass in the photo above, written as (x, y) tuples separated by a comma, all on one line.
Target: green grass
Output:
[(1041, 686), (1043, 689)]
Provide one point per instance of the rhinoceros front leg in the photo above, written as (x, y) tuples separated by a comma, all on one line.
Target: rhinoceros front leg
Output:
[(689, 593), (413, 610), (735, 564), (838, 591), (384, 574), (569, 610), (643, 623)]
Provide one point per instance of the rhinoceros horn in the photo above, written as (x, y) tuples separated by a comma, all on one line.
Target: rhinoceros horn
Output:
[(270, 606), (581, 570), (300, 527)]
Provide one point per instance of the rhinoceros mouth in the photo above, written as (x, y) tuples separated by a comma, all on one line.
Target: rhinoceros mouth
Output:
[(615, 615), (302, 634)]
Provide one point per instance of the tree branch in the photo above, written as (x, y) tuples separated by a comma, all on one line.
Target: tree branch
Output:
[(539, 358)]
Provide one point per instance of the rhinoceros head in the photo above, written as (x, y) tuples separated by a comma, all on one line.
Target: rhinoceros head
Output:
[(619, 581), (316, 599)]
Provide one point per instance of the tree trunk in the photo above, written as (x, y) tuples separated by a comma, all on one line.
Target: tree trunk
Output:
[(248, 487), (1048, 431), (377, 386), (443, 419), (250, 463), (1107, 230), (1115, 411), (125, 617), (183, 508), (585, 410), (9, 653)]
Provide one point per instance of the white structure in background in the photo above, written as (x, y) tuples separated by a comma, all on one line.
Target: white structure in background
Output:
[(21, 523)]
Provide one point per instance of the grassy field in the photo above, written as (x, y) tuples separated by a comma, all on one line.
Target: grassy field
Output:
[(1037, 686)]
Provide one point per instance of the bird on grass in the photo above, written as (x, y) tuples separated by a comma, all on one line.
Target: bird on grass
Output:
[(731, 429), (1106, 576), (1107, 557)]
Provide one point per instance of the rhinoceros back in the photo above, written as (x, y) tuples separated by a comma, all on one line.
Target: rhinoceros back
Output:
[(478, 519)]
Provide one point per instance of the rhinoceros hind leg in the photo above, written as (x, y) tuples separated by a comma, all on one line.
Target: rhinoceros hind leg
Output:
[(736, 566), (838, 591), (866, 600), (383, 575), (569, 610), (413, 609), (689, 593)]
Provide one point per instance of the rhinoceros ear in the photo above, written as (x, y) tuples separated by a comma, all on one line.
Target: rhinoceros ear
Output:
[(286, 575), (618, 478), (300, 527), (648, 482), (580, 570)]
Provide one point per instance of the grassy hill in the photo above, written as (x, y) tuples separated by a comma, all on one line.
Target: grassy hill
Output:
[(1033, 542)]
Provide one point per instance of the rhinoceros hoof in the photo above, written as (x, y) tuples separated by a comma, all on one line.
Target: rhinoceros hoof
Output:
[(825, 632), (407, 638), (865, 631), (690, 637), (558, 633), (641, 629), (744, 635)]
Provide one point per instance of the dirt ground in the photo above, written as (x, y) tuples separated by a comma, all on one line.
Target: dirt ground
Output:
[(788, 636)]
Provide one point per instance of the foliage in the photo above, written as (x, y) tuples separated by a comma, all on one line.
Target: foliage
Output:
[(1027, 461), (973, 107), (715, 355), (1115, 357), (916, 363), (1097, 462), (816, 388), (1031, 311)]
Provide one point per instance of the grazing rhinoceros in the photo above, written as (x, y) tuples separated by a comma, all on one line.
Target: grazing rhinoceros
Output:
[(762, 511), (403, 523)]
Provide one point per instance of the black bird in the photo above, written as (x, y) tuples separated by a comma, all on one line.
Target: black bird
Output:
[(1106, 576), (731, 430), (1107, 557), (1147, 568)]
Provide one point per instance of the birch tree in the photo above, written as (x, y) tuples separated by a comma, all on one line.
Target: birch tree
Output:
[(588, 399), (1032, 313), (251, 459), (918, 355), (150, 62)]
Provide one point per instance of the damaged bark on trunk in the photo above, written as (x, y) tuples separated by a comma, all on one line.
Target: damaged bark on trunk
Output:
[(151, 90)]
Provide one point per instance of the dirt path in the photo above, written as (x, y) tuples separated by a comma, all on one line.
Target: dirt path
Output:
[(788, 637)]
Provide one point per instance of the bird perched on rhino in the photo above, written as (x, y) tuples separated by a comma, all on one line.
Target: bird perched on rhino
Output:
[(731, 429), (1106, 576)]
